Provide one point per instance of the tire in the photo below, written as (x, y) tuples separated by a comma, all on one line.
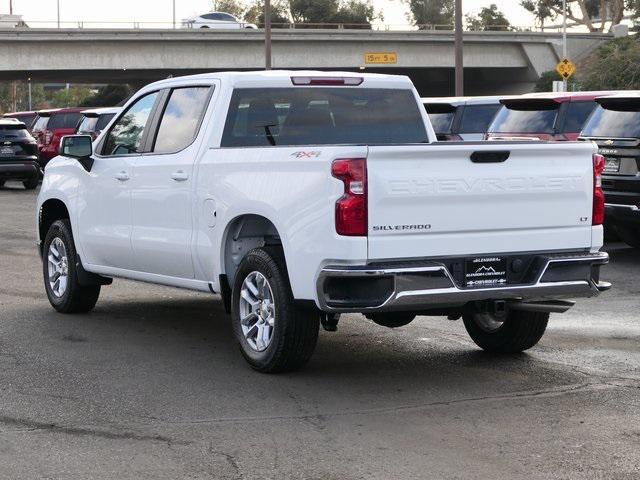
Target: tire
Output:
[(281, 337), (74, 298), (2, 182), (629, 235), (31, 184), (391, 320), (519, 331)]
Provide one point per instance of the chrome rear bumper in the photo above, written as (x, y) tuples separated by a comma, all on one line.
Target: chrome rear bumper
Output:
[(430, 285)]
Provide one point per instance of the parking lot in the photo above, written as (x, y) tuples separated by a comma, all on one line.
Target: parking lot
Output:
[(151, 385)]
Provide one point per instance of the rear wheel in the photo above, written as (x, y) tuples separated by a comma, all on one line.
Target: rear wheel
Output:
[(629, 235), (513, 332), (31, 184), (64, 291), (274, 334), (2, 183), (391, 320)]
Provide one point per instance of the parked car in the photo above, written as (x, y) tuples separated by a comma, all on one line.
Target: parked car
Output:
[(218, 20), (51, 126), (299, 196), (18, 154), (543, 116), (615, 127), (28, 118), (95, 120), (461, 118)]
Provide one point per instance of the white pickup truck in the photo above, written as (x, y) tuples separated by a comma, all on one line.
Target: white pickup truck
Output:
[(298, 196)]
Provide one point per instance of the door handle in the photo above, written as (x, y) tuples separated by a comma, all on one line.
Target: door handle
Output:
[(179, 176), (122, 176)]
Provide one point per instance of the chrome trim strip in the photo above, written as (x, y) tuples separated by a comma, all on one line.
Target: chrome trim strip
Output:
[(403, 297), (618, 205)]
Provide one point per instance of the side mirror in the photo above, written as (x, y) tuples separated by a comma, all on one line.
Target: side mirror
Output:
[(79, 147)]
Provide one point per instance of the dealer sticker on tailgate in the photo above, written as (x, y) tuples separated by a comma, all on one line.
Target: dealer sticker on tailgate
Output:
[(485, 272)]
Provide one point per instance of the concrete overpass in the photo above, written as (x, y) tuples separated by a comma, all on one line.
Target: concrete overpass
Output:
[(495, 62)]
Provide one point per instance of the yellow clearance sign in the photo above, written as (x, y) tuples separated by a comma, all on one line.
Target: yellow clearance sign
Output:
[(566, 68), (380, 58)]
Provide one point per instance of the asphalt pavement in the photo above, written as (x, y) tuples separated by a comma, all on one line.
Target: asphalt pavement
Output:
[(151, 386)]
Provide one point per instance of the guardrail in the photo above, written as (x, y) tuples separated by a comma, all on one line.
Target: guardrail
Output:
[(135, 25)]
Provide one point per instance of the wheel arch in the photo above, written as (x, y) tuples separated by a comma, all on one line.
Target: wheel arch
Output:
[(51, 210), (242, 234)]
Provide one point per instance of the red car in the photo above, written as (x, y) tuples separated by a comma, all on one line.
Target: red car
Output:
[(25, 117), (51, 126), (543, 116)]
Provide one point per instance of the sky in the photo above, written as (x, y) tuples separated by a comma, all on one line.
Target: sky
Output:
[(161, 10)]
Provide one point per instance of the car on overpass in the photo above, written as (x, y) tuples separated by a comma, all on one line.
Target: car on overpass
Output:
[(28, 117), (95, 120), (51, 126), (216, 20), (557, 116), (461, 118), (18, 154), (615, 127)]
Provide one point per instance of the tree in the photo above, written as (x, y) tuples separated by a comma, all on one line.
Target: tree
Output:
[(489, 18), (74, 96), (355, 14), (438, 13), (279, 14), (109, 96), (313, 11), (593, 14), (234, 7), (614, 65), (545, 82)]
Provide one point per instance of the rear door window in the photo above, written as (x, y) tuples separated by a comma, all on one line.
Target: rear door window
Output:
[(181, 119), (577, 115), (103, 121), (613, 123), (88, 124), (41, 123), (477, 118), (322, 116)]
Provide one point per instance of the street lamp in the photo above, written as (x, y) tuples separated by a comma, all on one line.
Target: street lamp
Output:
[(174, 13), (267, 34), (58, 13), (459, 74), (10, 7)]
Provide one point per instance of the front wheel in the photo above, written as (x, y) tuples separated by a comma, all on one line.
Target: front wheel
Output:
[(274, 334), (64, 291), (514, 332), (31, 184)]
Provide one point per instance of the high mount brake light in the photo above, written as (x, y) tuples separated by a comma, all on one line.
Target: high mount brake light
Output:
[(597, 217), (351, 208), (333, 81)]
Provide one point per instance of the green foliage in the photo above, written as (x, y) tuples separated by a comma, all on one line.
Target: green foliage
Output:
[(279, 14), (74, 96), (431, 12), (109, 96), (545, 82), (614, 65), (38, 97), (582, 12), (234, 7), (489, 18), (355, 14), (313, 11)]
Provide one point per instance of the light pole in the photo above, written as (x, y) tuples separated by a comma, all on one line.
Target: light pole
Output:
[(458, 50), (58, 13), (564, 39), (10, 7), (174, 13), (267, 34), (29, 85)]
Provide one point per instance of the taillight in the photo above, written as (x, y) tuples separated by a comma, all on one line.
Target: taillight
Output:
[(332, 81), (351, 208), (598, 194), (48, 136)]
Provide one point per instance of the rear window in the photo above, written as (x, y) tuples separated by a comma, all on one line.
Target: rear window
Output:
[(322, 116), (103, 121), (26, 118), (477, 118), (88, 124), (41, 123), (525, 119), (577, 115), (441, 116), (64, 120), (13, 131), (613, 124)]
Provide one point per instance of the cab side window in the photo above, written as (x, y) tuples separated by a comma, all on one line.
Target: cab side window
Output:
[(181, 119), (125, 137)]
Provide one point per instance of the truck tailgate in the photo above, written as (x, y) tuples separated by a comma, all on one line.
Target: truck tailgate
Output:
[(433, 200)]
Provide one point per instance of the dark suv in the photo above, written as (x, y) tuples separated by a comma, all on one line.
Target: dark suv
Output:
[(51, 126), (615, 127), (18, 154)]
